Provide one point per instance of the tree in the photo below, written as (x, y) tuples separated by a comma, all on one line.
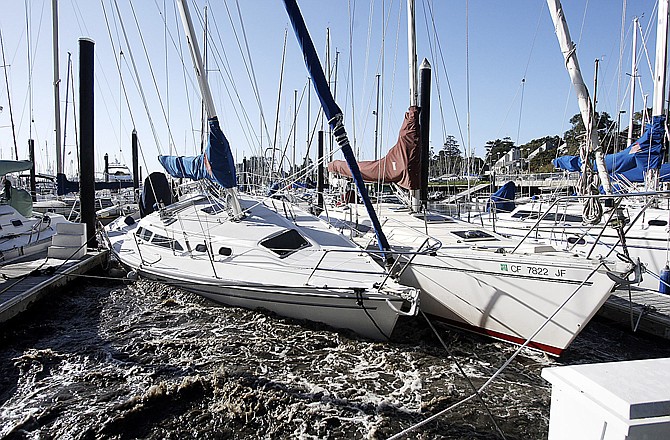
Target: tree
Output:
[(608, 134), (497, 148), (541, 162), (448, 159)]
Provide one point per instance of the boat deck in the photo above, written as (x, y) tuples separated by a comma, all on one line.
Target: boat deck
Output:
[(28, 279), (646, 311)]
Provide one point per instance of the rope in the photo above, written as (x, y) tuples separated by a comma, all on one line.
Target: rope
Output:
[(503, 367), (465, 376)]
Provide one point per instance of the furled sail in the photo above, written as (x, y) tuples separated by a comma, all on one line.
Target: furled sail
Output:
[(332, 111), (401, 165), (216, 163), (633, 162)]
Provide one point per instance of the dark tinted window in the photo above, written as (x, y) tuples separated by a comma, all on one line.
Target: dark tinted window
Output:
[(658, 222), (201, 248), (144, 234), (573, 240), (225, 251), (285, 243), (525, 214), (161, 240)]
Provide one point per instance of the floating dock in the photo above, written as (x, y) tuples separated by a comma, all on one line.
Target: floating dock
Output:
[(28, 279), (646, 311)]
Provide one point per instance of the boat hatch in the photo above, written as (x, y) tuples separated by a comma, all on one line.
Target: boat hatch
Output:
[(551, 216), (17, 222), (473, 235), (214, 209), (285, 243), (433, 218)]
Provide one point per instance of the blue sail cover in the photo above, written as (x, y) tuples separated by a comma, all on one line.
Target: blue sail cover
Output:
[(216, 163), (633, 162), (503, 199), (332, 111)]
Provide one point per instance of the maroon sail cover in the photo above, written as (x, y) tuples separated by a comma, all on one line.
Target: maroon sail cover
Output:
[(402, 164)]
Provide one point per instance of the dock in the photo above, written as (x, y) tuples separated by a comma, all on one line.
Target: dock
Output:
[(646, 311), (28, 279)]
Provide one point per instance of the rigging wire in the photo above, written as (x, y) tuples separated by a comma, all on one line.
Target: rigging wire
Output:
[(137, 77), (248, 65), (351, 8), (446, 73), (152, 74), (222, 62), (467, 87), (281, 82), (167, 78), (506, 364), (431, 50)]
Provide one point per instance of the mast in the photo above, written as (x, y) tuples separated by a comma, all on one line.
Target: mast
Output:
[(194, 49), (204, 88), (415, 195), (59, 161), (633, 77), (411, 52), (377, 121), (658, 109), (585, 106), (661, 58)]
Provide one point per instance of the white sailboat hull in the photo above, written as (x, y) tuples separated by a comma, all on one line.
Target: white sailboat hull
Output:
[(335, 285), (474, 280), (371, 317), (512, 302)]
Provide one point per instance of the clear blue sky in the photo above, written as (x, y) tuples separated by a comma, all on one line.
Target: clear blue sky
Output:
[(506, 41)]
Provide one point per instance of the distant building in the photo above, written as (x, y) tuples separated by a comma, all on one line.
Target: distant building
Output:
[(514, 162)]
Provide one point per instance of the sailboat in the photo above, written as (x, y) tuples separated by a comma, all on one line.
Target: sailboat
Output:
[(250, 252), (526, 293), (635, 222)]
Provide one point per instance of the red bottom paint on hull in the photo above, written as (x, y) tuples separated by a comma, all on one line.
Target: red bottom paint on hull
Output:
[(554, 351)]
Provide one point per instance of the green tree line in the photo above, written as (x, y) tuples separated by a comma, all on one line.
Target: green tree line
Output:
[(450, 159)]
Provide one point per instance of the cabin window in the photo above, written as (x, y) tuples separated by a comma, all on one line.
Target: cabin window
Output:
[(656, 222), (560, 217), (225, 251), (201, 248), (161, 240), (473, 234), (17, 223), (525, 214), (578, 240), (144, 234), (285, 243)]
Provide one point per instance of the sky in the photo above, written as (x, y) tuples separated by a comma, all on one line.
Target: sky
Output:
[(496, 65)]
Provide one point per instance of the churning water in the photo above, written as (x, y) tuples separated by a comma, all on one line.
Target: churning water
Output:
[(149, 361)]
